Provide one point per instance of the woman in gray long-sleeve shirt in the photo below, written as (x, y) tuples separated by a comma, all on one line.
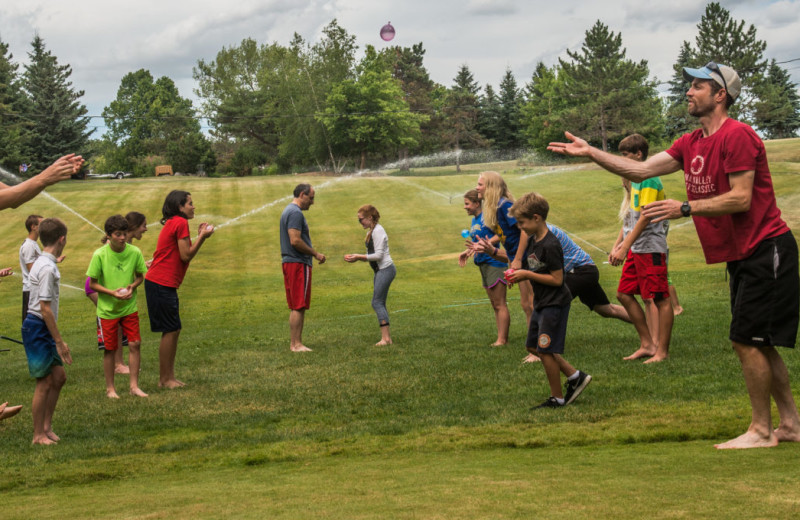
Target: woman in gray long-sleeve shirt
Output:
[(377, 243)]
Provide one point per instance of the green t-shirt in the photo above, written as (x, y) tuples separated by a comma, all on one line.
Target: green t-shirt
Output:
[(112, 271)]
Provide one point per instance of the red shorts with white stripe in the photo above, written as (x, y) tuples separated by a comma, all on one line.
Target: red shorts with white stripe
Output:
[(297, 280)]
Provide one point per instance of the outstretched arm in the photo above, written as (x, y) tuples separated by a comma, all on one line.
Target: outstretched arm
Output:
[(637, 171), (15, 196)]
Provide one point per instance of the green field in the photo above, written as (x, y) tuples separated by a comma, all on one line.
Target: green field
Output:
[(436, 426)]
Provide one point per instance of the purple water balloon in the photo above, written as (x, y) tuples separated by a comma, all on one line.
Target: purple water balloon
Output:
[(387, 32)]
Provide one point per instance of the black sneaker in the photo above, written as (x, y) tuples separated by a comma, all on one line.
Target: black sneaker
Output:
[(550, 403), (572, 389)]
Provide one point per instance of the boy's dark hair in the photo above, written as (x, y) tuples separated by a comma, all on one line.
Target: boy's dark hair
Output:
[(31, 221), (135, 219), (301, 189), (635, 143), (50, 230), (472, 196), (172, 205), (115, 223), (529, 205)]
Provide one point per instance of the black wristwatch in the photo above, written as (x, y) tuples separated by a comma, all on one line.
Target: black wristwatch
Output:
[(686, 209)]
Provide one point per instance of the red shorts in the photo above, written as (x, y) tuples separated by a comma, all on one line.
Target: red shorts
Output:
[(297, 280), (110, 330), (645, 274)]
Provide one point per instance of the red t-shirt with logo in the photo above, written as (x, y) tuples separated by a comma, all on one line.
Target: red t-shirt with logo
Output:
[(707, 162), (167, 268)]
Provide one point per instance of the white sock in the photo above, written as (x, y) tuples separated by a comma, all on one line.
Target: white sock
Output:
[(560, 400), (574, 376)]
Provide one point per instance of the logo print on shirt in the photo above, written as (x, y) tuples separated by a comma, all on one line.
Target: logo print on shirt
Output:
[(697, 164)]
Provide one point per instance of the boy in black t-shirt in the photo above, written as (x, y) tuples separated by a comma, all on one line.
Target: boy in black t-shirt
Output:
[(543, 265)]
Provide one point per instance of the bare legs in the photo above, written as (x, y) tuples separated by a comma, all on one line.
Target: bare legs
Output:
[(610, 310), (296, 319), (526, 301), (497, 297), (554, 366), (665, 317), (646, 346), (45, 398), (134, 361), (765, 375), (166, 360)]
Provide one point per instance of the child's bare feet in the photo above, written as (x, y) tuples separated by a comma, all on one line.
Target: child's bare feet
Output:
[(642, 352), (383, 343), (138, 392), (122, 369), (498, 343), (300, 348), (749, 440), (52, 436), (111, 393), (656, 358), (171, 384), (785, 434), (531, 358)]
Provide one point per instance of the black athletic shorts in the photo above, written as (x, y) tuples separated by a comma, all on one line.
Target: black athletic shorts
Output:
[(162, 307), (765, 294), (584, 282)]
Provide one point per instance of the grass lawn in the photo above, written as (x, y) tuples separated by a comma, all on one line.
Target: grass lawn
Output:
[(436, 426)]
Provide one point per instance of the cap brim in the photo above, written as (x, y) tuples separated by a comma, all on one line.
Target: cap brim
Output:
[(703, 73)]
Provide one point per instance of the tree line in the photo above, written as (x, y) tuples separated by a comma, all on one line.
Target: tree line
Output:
[(275, 108)]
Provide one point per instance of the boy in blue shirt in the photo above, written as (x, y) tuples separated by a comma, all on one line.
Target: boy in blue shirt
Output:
[(543, 265)]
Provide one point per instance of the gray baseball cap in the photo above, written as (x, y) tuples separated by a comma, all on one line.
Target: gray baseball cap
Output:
[(725, 77)]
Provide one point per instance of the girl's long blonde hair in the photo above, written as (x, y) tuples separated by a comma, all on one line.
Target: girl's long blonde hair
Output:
[(494, 189), (625, 207)]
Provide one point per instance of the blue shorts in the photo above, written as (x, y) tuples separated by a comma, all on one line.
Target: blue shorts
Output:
[(548, 329), (40, 347), (162, 307)]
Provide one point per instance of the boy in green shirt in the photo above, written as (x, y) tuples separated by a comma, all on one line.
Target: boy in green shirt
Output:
[(116, 270)]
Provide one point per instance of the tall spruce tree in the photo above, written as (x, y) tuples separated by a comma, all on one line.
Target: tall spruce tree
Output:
[(509, 134), (461, 114), (58, 120), (488, 114), (611, 96), (13, 127), (677, 120), (777, 110)]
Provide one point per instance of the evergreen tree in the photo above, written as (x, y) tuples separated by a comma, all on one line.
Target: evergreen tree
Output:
[(12, 129), (610, 95), (509, 134), (677, 119), (488, 114), (726, 41), (58, 119), (461, 114), (777, 111)]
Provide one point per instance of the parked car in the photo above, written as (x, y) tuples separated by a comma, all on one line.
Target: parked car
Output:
[(115, 175)]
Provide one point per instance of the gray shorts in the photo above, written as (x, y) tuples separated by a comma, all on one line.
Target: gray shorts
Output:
[(492, 275)]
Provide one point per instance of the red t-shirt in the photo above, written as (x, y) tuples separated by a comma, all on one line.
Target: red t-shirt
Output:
[(167, 268), (707, 162)]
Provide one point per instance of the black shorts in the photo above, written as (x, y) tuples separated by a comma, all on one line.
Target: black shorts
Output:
[(765, 294), (548, 330), (162, 307), (584, 282), (26, 296)]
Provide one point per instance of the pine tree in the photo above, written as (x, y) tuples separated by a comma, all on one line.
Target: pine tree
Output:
[(13, 127), (461, 114), (611, 96), (488, 114), (777, 111), (677, 118), (58, 120), (509, 135)]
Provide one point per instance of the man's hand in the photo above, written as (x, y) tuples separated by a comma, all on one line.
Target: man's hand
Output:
[(662, 210), (576, 148), (61, 169), (320, 258)]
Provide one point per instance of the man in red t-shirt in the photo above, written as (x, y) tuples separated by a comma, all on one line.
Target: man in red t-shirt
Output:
[(732, 203)]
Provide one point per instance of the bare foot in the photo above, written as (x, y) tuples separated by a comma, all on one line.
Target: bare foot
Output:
[(642, 352), (9, 411), (677, 311), (656, 358), (382, 343), (52, 436), (171, 384), (43, 440), (122, 369), (300, 348), (498, 344), (112, 394), (138, 392), (749, 440), (531, 358), (787, 434)]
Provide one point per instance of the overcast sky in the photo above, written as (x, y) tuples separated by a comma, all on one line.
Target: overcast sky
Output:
[(104, 40)]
